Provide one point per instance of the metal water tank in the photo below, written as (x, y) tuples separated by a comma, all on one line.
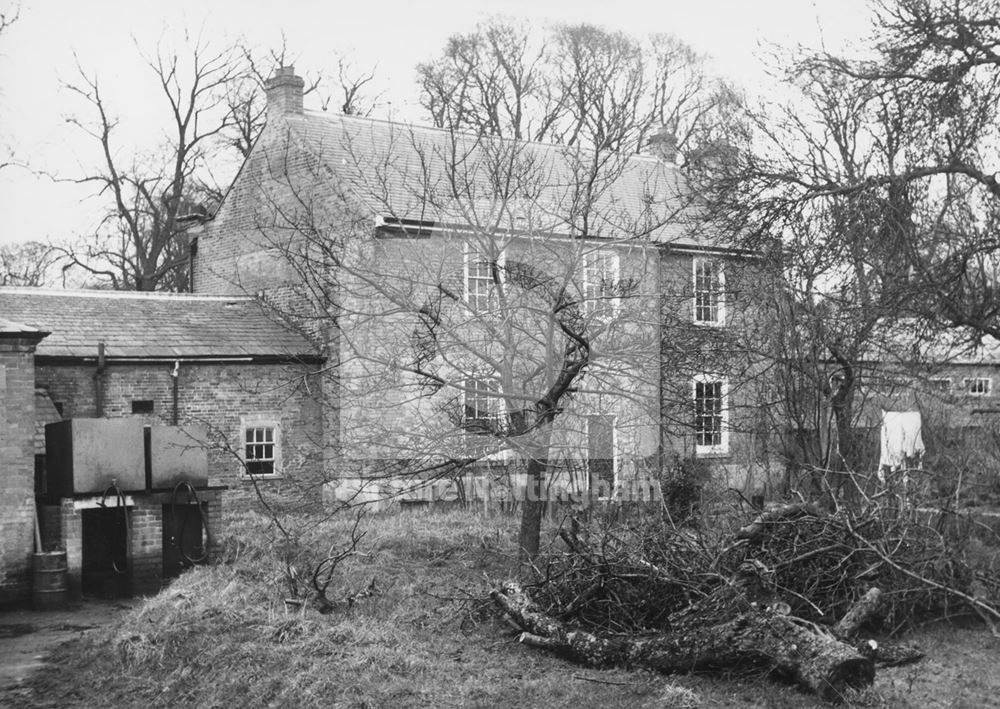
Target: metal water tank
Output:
[(176, 454), (86, 455)]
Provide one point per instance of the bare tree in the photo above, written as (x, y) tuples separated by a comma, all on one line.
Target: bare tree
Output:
[(31, 263), (575, 84), (494, 81), (140, 245), (213, 100), (875, 178), (843, 290), (937, 62), (7, 18), (906, 139)]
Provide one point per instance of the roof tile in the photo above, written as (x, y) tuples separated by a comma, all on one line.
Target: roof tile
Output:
[(146, 325), (407, 172)]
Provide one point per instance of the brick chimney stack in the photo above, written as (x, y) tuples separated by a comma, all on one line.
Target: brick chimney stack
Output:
[(284, 93), (663, 145)]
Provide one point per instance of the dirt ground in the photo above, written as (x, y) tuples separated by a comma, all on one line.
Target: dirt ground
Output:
[(28, 637), (221, 636)]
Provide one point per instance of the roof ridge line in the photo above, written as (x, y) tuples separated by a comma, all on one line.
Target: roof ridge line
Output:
[(122, 295), (467, 133)]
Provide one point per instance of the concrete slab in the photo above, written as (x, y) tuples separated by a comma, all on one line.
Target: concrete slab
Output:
[(27, 637)]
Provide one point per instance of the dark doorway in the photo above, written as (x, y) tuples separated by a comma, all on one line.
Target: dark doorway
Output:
[(601, 452), (183, 538), (106, 572), (41, 484)]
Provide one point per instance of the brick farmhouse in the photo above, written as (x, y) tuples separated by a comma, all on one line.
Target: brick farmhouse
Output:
[(380, 301), (428, 265)]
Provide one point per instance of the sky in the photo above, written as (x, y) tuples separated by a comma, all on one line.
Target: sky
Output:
[(40, 52)]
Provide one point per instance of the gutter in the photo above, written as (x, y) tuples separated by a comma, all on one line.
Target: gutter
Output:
[(417, 229), (249, 359)]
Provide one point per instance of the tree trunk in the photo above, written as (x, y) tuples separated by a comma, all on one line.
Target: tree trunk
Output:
[(533, 506), (753, 639)]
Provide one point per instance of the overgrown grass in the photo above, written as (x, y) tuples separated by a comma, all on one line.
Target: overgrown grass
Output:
[(414, 636)]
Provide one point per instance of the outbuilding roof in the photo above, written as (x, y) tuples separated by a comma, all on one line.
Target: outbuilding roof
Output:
[(151, 325), (11, 327)]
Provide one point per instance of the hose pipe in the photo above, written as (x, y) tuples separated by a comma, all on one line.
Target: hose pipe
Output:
[(120, 502), (192, 496)]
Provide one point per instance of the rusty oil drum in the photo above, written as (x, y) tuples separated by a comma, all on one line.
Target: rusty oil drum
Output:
[(50, 592)]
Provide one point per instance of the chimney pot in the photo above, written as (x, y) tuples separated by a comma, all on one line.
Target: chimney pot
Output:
[(284, 93), (663, 145)]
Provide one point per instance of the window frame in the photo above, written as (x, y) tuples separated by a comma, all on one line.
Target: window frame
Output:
[(472, 257), (721, 448), (940, 384), (596, 299), (255, 424), (489, 391), (718, 291), (971, 385)]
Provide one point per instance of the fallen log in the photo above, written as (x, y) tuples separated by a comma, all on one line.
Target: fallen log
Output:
[(752, 639), (864, 610), (884, 653), (785, 513)]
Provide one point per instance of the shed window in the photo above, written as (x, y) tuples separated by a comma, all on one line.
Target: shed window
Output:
[(261, 450)]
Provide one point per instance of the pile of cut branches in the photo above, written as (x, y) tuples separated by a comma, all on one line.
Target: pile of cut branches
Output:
[(822, 563), (790, 590)]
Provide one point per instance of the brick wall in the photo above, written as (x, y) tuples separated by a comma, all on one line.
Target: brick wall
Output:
[(277, 199), (17, 458), (375, 411), (386, 413), (732, 351), (219, 396), (145, 544)]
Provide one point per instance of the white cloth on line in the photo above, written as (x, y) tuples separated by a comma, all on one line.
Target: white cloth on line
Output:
[(901, 439)]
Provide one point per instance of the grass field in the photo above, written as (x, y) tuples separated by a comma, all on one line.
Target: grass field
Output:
[(415, 636)]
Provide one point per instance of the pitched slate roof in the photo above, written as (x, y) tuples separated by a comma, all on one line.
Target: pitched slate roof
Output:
[(9, 326), (433, 175), (151, 325)]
